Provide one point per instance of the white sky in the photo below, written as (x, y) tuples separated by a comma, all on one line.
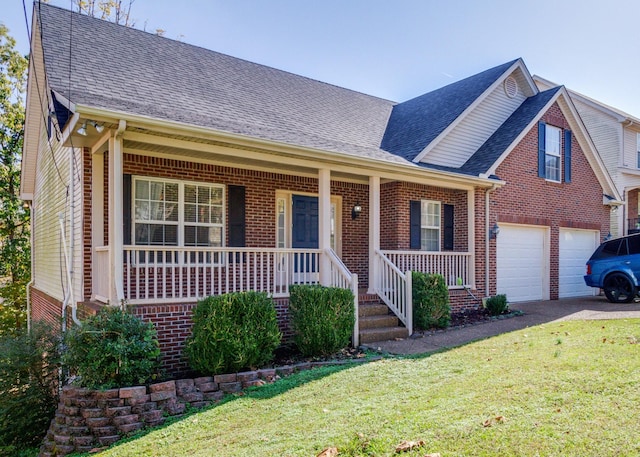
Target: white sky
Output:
[(399, 49)]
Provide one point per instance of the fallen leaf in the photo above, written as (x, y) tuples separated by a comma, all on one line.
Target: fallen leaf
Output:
[(489, 422), (329, 452), (604, 340), (435, 454), (406, 446), (633, 340)]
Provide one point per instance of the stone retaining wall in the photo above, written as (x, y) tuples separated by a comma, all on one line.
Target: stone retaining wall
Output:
[(88, 419)]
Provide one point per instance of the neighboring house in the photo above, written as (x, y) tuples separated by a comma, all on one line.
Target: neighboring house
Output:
[(616, 136), (160, 172)]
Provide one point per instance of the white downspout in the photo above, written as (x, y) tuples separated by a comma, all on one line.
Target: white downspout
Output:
[(486, 240), (30, 283)]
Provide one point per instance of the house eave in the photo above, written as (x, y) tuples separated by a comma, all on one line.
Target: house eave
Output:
[(374, 167)]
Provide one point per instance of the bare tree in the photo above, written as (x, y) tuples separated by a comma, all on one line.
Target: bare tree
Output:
[(118, 11)]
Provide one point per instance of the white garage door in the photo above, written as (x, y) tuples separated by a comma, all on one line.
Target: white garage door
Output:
[(576, 246), (522, 263)]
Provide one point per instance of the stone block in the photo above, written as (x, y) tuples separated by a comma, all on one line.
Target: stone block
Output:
[(118, 411), (192, 397), (185, 386), (86, 440), (70, 410), (231, 387), (284, 370), (108, 440), (155, 423), (130, 428), (247, 376), (83, 402), (268, 374), (208, 386), (79, 431), (75, 421), (149, 406), (163, 395), (162, 387), (225, 378), (200, 404), (214, 396), (202, 380), (302, 366), (106, 394), (173, 407), (62, 439), (253, 383), (64, 449), (104, 431), (151, 416), (97, 422), (133, 392), (124, 420), (138, 400)]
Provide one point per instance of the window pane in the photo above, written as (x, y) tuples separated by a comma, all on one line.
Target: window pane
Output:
[(203, 195), (189, 194), (142, 234), (189, 213), (171, 235), (142, 210), (216, 215), (189, 235), (552, 170), (156, 190), (171, 192), (430, 240), (215, 236), (216, 196), (142, 189), (552, 140), (203, 214)]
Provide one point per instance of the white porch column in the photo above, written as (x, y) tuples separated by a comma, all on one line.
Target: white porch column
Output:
[(97, 213), (471, 235), (374, 229), (324, 223), (115, 218)]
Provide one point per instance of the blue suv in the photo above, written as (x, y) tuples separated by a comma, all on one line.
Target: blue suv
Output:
[(615, 268)]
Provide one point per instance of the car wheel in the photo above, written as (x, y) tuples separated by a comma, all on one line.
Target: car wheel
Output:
[(619, 289)]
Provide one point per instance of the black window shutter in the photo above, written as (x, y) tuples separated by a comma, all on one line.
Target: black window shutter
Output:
[(541, 148), (415, 223), (237, 224), (447, 242), (567, 156), (126, 209)]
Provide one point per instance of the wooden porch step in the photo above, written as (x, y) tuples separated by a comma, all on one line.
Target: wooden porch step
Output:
[(371, 335)]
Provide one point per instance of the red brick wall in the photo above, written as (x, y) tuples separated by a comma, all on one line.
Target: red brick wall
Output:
[(528, 199), (394, 213), (45, 308), (632, 205)]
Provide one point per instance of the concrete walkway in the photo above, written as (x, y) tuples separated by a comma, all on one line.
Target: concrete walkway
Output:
[(535, 313)]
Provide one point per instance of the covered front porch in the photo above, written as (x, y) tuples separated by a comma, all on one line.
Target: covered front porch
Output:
[(359, 236)]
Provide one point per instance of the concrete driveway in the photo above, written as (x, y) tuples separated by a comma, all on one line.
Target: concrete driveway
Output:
[(535, 313)]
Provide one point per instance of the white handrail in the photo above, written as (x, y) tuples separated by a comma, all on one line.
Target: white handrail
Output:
[(340, 276), (394, 288)]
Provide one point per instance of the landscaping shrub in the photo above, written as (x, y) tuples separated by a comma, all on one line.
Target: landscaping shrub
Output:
[(113, 348), (322, 318), (496, 305), (29, 377), (233, 332), (431, 306)]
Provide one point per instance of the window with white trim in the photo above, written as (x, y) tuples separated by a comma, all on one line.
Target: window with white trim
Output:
[(171, 213), (430, 225), (553, 145)]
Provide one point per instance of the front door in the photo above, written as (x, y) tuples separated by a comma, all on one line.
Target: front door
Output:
[(305, 236)]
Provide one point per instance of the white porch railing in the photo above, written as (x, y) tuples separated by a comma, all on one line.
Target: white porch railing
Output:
[(394, 288), (455, 267), (100, 275), (188, 273), (340, 276)]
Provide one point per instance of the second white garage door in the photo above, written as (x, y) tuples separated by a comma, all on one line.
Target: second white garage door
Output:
[(522, 263), (576, 246)]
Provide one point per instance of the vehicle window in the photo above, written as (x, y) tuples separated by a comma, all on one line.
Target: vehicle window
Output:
[(634, 244), (609, 249), (623, 250)]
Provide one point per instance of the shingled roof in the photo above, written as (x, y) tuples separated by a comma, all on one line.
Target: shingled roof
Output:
[(99, 64)]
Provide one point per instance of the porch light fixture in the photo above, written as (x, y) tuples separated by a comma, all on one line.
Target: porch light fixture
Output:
[(83, 130), (493, 231), (356, 210), (99, 127)]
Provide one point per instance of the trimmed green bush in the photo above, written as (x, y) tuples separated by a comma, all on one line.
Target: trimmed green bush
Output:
[(111, 349), (431, 306), (322, 318), (232, 332), (496, 305), (29, 379)]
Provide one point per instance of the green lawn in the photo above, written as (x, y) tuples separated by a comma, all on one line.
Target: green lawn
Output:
[(570, 389)]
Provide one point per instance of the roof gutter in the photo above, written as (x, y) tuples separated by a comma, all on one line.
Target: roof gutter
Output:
[(320, 154)]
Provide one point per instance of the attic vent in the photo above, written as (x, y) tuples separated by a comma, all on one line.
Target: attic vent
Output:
[(511, 87)]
